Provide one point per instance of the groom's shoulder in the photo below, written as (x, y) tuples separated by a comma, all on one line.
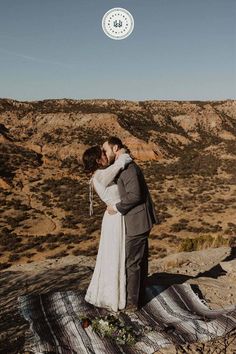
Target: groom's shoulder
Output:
[(132, 167), (130, 171)]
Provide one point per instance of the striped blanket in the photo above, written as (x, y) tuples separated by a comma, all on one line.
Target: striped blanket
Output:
[(174, 315)]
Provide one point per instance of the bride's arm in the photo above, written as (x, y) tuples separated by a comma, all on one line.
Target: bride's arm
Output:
[(107, 175)]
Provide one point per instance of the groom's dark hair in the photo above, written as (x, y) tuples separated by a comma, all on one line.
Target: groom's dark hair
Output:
[(113, 140)]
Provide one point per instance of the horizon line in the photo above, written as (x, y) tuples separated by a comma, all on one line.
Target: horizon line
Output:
[(118, 99)]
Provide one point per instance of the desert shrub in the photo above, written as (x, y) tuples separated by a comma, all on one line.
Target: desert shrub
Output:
[(229, 167), (37, 240), (221, 241), (14, 156), (232, 226), (76, 252), (232, 241), (40, 248), (29, 255), (26, 246), (52, 246), (70, 195), (90, 228), (14, 257), (4, 265), (10, 241), (72, 163), (70, 220), (13, 221), (46, 200), (210, 228), (52, 238), (191, 162), (163, 236), (92, 251), (181, 225), (202, 242), (71, 239), (47, 138), (160, 251), (230, 146)]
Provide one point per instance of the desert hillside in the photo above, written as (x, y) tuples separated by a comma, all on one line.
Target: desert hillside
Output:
[(186, 150)]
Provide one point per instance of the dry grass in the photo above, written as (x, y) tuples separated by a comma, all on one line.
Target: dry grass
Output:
[(202, 242)]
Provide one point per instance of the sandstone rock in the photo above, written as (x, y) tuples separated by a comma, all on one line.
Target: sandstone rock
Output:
[(229, 267), (195, 262), (143, 151), (4, 184)]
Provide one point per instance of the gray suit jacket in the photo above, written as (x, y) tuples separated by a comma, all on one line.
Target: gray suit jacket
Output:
[(136, 203)]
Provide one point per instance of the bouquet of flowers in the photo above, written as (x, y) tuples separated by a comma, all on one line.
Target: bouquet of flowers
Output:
[(114, 328), (111, 327)]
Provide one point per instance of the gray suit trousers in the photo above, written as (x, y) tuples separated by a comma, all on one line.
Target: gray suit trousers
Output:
[(136, 258)]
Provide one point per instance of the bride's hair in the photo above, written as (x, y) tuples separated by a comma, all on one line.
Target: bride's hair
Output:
[(89, 159)]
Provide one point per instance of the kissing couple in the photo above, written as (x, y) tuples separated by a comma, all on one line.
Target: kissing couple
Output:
[(120, 274)]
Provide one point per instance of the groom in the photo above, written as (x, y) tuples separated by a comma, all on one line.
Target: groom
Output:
[(139, 215)]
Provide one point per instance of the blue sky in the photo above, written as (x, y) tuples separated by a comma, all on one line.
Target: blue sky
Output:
[(179, 49)]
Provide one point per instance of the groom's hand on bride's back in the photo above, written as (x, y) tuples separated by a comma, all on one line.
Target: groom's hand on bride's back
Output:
[(111, 210)]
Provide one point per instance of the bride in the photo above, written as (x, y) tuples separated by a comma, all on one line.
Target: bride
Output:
[(107, 288)]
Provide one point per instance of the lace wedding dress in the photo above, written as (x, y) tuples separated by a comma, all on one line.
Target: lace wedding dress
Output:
[(107, 288)]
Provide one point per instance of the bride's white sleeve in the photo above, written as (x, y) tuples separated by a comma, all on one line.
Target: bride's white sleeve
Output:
[(107, 175)]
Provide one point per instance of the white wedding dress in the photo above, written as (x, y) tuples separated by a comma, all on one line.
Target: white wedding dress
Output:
[(107, 288)]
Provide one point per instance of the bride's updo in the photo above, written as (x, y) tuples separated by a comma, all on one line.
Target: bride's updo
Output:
[(90, 157)]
